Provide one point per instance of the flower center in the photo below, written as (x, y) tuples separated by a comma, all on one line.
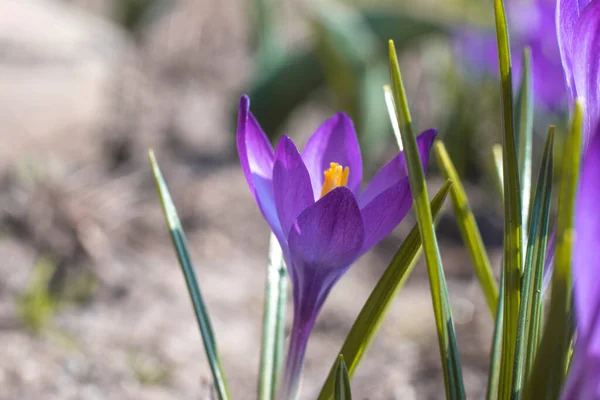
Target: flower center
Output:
[(335, 176)]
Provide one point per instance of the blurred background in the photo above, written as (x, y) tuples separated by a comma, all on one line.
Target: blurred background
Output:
[(92, 302)]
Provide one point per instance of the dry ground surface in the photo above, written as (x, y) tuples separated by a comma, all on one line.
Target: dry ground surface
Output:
[(79, 105)]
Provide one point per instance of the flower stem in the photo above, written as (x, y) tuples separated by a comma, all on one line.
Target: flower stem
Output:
[(295, 360), (305, 315)]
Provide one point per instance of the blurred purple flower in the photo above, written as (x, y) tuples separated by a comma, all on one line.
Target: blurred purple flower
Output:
[(313, 203), (578, 28), (531, 23)]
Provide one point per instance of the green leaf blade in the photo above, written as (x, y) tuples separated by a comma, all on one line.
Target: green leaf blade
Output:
[(273, 322), (496, 351), (513, 235), (342, 382), (524, 132), (439, 293), (533, 267), (367, 324), (550, 363), (468, 228), (185, 261)]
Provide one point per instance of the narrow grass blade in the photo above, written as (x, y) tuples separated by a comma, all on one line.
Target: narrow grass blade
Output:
[(513, 239), (524, 132), (439, 294), (551, 359), (389, 102), (342, 381), (537, 301), (468, 228), (274, 314), (371, 316), (533, 267), (185, 261), (496, 352), (280, 327), (497, 153)]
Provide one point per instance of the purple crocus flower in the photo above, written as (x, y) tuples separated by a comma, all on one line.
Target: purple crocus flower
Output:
[(531, 23), (578, 28), (314, 206)]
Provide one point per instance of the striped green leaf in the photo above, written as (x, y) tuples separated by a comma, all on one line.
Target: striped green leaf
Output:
[(271, 355), (533, 267), (185, 261), (550, 363), (513, 240), (342, 382), (496, 351), (524, 132), (439, 292)]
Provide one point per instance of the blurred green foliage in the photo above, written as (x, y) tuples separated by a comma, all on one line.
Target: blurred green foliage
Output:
[(48, 289), (37, 305), (347, 56), (135, 15), (149, 370)]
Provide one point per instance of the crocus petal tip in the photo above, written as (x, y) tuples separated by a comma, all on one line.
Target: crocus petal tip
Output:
[(245, 101), (430, 134)]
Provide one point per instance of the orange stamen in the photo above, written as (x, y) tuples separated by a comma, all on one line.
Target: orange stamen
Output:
[(335, 176)]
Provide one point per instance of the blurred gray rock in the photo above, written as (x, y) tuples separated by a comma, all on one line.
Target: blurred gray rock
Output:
[(57, 68)]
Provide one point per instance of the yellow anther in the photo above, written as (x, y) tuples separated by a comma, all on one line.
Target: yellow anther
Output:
[(335, 176)]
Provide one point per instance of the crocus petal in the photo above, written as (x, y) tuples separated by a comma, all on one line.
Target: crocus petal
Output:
[(334, 141), (586, 65), (586, 273), (583, 382), (385, 212), (291, 184), (395, 170), (326, 237), (256, 157), (567, 16), (324, 241)]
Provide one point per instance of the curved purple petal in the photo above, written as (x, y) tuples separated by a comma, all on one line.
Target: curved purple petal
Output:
[(291, 184), (334, 141), (326, 237), (586, 65), (395, 170), (586, 270), (583, 382), (257, 159), (567, 15), (324, 241), (385, 212)]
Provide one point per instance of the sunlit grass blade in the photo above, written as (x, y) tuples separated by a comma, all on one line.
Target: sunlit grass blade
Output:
[(496, 352), (537, 302), (443, 317), (389, 102), (469, 229), (342, 381), (371, 316), (273, 323), (533, 267), (185, 261), (497, 153), (524, 132), (548, 371), (513, 240)]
